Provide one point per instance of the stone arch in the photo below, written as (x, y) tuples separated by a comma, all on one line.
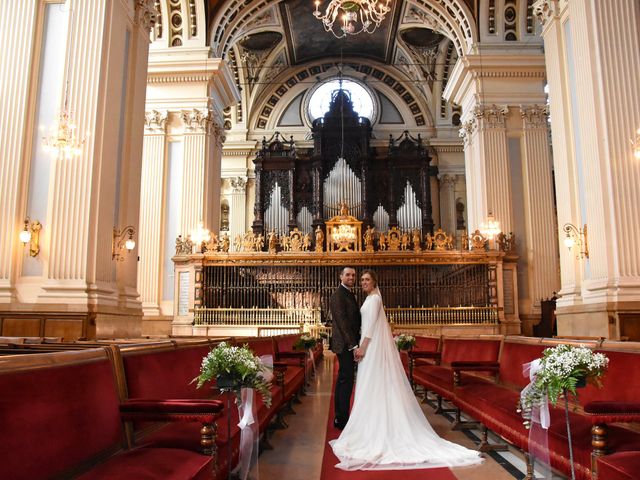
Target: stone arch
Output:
[(268, 106)]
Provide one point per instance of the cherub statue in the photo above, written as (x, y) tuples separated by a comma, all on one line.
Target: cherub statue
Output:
[(428, 240), (319, 239), (404, 241), (306, 242), (382, 242), (258, 242), (284, 242), (237, 242), (464, 241), (213, 244)]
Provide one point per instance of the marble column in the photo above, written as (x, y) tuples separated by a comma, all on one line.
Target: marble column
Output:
[(540, 247), (197, 154), (487, 166), (597, 44), (151, 193)]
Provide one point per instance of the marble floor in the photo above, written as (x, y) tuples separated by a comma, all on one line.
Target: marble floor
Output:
[(297, 451)]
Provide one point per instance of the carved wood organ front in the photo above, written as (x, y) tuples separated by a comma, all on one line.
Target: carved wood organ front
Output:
[(303, 190)]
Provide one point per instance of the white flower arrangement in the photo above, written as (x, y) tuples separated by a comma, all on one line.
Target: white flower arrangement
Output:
[(405, 341), (562, 369), (305, 342), (240, 366)]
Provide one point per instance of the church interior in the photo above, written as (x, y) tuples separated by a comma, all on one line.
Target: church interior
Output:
[(180, 174)]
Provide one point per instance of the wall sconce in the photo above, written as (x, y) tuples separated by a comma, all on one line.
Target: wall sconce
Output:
[(576, 237), (118, 242), (31, 235)]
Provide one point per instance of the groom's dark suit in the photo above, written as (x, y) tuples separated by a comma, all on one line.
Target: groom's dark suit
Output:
[(345, 335)]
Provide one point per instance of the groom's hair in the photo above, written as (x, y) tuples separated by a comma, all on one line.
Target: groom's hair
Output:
[(372, 274), (345, 268)]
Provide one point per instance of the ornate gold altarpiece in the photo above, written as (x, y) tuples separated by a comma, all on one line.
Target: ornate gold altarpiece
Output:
[(428, 287)]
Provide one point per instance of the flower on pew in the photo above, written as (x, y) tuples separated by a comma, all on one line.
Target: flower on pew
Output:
[(561, 369), (240, 367), (405, 341), (305, 342)]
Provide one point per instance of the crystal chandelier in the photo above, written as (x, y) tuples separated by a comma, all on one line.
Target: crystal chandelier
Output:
[(356, 16), (491, 227), (62, 141)]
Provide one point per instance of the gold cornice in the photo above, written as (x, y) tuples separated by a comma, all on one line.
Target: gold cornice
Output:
[(342, 258)]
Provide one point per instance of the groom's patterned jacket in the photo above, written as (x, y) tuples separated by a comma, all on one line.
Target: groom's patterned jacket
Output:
[(345, 320)]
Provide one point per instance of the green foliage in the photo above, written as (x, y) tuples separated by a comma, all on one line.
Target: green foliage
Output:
[(305, 342), (405, 341), (240, 365)]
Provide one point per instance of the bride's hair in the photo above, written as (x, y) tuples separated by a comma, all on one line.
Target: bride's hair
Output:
[(373, 276)]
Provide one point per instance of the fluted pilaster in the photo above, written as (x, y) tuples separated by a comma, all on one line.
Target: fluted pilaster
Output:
[(238, 206), (16, 34), (70, 207), (150, 215), (197, 127)]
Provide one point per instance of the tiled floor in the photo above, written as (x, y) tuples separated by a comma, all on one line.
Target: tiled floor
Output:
[(297, 452)]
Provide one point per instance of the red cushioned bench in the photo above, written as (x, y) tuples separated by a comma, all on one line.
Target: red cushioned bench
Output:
[(439, 376), (175, 366), (60, 417), (494, 405)]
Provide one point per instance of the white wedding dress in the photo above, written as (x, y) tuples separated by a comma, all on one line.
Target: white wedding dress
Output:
[(387, 429)]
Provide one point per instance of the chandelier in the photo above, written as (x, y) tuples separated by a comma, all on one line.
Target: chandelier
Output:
[(356, 16), (62, 140)]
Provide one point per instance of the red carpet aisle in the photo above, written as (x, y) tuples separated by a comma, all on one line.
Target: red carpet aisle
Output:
[(329, 460)]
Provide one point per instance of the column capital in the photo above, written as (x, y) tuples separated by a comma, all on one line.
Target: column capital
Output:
[(238, 184), (494, 116), (155, 121), (218, 132), (197, 121), (447, 180), (146, 14), (535, 116)]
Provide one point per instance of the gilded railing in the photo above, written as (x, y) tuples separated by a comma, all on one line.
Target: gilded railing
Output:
[(427, 316), (260, 317), (309, 319)]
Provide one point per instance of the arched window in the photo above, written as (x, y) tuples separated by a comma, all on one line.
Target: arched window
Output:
[(361, 97)]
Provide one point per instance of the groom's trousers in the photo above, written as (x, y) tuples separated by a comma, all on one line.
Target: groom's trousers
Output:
[(344, 386)]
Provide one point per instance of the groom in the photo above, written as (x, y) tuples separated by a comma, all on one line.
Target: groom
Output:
[(345, 315)]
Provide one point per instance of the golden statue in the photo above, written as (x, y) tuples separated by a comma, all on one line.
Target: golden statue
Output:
[(393, 239), (368, 239), (319, 239), (417, 247), (225, 243), (428, 240), (272, 241), (306, 242), (404, 241), (382, 242)]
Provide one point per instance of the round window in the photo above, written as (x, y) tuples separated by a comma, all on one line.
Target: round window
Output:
[(320, 98)]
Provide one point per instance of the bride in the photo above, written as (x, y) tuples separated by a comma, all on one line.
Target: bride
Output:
[(387, 429)]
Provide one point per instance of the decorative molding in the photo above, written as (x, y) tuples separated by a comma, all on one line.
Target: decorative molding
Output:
[(146, 14), (447, 181), (466, 131), (155, 121), (177, 78), (218, 131), (198, 121), (416, 15), (535, 116), (508, 74), (448, 148), (238, 184)]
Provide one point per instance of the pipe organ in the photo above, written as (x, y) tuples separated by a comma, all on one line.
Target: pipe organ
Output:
[(390, 190)]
